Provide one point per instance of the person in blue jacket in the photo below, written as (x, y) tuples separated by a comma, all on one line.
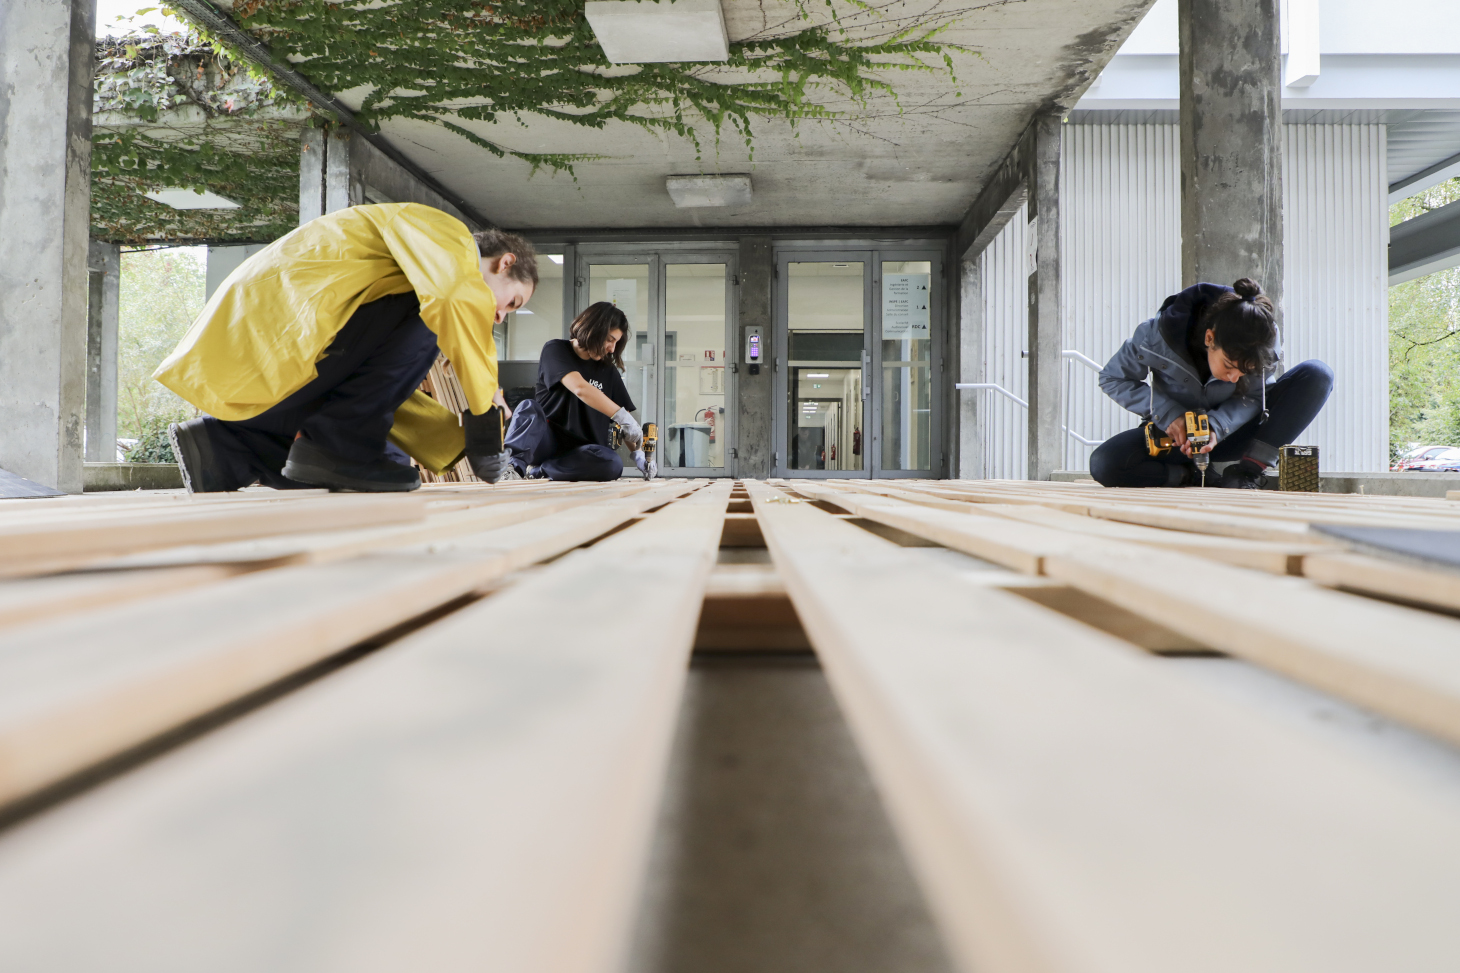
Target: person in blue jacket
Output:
[(1209, 349)]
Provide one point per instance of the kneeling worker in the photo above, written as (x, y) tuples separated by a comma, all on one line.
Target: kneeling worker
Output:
[(1208, 350), (308, 358), (562, 432)]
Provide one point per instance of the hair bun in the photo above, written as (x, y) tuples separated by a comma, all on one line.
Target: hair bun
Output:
[(1247, 288)]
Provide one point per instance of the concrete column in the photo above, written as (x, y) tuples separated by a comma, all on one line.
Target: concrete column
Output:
[(1231, 143), (1046, 324), (103, 319), (970, 369), (755, 409), (47, 49), (338, 169)]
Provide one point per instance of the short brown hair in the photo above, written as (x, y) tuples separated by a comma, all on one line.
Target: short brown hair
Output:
[(495, 243), (592, 328)]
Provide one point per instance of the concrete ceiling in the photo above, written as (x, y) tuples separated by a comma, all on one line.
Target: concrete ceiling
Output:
[(878, 167)]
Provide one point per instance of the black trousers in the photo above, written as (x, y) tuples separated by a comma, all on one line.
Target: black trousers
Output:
[(1293, 402), (532, 442), (374, 364)]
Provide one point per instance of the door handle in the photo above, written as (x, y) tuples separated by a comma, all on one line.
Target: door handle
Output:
[(866, 375)]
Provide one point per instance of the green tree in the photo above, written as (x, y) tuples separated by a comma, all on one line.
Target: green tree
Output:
[(161, 294), (1424, 343)]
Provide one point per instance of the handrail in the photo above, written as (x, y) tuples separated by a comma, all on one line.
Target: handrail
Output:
[(1085, 360), (1022, 404)]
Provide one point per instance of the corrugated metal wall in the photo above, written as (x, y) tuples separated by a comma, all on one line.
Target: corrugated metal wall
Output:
[(1336, 287), (1005, 330), (1121, 255)]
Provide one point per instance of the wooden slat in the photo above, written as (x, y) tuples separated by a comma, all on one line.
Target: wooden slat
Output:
[(1393, 660), (29, 599), (478, 796), (1073, 806), (1402, 581), (77, 691)]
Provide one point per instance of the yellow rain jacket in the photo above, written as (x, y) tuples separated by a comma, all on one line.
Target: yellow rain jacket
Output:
[(257, 341)]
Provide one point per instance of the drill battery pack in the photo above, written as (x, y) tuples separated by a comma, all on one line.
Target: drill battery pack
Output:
[(1157, 442), (1298, 469)]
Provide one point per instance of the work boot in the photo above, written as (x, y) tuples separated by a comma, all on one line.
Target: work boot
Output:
[(310, 464), (194, 453), (1244, 476)]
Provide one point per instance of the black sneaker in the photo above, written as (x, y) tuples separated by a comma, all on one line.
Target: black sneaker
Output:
[(194, 454), (310, 464)]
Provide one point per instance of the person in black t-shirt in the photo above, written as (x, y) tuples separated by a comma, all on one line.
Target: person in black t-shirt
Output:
[(562, 432)]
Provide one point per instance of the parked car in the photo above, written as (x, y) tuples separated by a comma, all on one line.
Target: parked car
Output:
[(1420, 455), (1438, 461)]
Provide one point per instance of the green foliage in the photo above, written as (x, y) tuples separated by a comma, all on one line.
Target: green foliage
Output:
[(154, 446), (1424, 343), (459, 62), (161, 294), (232, 142)]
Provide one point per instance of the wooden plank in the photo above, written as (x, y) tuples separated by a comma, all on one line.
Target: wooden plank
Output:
[(477, 796), (30, 599), (1070, 805), (1388, 579), (1344, 645), (77, 691), (68, 540)]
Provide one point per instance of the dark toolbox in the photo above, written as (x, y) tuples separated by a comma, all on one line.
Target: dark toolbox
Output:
[(1298, 469)]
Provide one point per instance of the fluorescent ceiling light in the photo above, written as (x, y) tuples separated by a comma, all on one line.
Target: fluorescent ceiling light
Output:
[(689, 192), (650, 32), (818, 375), (556, 258), (189, 199)]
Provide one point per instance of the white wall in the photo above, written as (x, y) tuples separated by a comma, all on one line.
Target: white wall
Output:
[(1121, 255), (1005, 335), (1336, 287), (1345, 27)]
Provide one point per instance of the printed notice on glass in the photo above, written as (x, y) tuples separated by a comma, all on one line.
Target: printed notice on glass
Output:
[(624, 294), (905, 302)]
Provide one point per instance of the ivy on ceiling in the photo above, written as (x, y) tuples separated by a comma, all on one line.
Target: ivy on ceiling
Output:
[(176, 111), (457, 62)]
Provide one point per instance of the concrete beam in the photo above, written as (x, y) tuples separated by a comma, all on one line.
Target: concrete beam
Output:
[(1424, 179), (1425, 245), (1000, 199), (47, 52), (1231, 143), (339, 168), (103, 321), (754, 423), (1046, 322)]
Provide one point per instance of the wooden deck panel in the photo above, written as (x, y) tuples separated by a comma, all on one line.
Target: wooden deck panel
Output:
[(1070, 804)]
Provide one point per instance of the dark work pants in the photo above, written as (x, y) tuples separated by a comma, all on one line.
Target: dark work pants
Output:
[(1293, 401), (533, 443), (376, 361)]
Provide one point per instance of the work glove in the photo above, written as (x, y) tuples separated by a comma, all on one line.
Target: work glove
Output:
[(646, 466), (484, 444), (629, 428)]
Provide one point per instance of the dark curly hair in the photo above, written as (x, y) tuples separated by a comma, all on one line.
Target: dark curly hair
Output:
[(495, 243), (1243, 326), (592, 328)]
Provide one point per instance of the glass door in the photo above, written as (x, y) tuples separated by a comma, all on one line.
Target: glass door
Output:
[(823, 365), (680, 307), (855, 363)]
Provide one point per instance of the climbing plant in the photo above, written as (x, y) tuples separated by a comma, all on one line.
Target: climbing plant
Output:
[(456, 63), (176, 111)]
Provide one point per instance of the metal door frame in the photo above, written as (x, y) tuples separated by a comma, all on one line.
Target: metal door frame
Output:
[(936, 293), (780, 361)]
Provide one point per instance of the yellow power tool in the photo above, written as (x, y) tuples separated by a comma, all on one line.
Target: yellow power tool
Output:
[(651, 440), (1198, 433)]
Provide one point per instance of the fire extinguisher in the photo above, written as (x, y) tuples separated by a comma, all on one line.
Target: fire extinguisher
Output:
[(856, 442), (710, 418), (833, 452)]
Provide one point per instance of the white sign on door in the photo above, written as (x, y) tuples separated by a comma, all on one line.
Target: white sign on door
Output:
[(906, 299), (624, 294)]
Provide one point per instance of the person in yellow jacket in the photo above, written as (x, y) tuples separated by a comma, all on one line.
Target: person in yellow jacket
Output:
[(307, 360)]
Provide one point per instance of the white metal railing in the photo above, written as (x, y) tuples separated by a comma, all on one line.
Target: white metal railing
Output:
[(989, 386), (1068, 354)]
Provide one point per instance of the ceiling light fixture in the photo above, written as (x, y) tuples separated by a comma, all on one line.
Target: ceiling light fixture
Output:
[(650, 32), (190, 199), (818, 375), (689, 192)]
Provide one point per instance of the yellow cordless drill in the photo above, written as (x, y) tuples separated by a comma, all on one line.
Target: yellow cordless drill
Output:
[(1198, 433), (651, 441)]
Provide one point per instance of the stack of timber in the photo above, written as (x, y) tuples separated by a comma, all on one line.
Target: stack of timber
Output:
[(442, 385), (304, 731)]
